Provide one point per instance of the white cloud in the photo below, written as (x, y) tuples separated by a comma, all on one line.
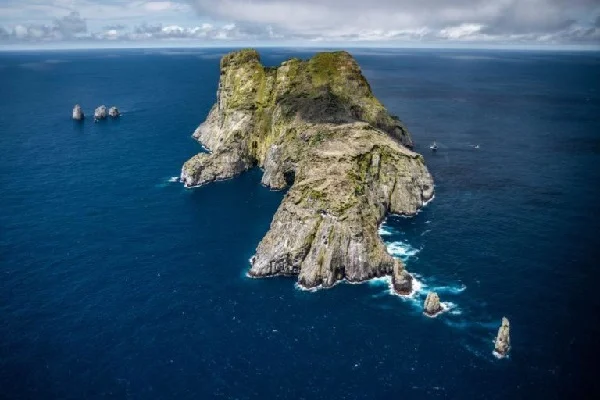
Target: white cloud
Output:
[(461, 31), (326, 21), (161, 6), (406, 19), (20, 32), (71, 26)]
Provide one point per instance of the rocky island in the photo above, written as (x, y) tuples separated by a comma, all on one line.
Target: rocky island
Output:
[(432, 305), (78, 113), (114, 112), (502, 343), (100, 113), (316, 127)]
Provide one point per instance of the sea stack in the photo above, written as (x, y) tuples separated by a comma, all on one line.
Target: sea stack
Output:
[(432, 305), (401, 279), (315, 127), (78, 113), (100, 113), (503, 339), (113, 112)]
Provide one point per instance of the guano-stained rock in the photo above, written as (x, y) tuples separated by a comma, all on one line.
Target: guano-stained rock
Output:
[(502, 345), (113, 112), (314, 126), (78, 113), (100, 113)]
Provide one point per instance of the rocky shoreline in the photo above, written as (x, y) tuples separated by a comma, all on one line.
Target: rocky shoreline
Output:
[(314, 126)]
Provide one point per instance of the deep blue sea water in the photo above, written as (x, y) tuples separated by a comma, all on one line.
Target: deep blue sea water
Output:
[(116, 283)]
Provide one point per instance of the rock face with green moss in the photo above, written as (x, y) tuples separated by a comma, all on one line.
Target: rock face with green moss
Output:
[(316, 127)]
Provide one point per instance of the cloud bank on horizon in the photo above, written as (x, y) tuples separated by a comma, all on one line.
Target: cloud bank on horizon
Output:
[(310, 22)]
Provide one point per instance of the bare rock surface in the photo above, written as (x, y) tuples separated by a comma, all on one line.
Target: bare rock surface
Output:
[(502, 345), (114, 112), (432, 305), (100, 113), (78, 113), (314, 126)]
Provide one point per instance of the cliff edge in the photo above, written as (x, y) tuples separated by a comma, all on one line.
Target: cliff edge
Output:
[(314, 126)]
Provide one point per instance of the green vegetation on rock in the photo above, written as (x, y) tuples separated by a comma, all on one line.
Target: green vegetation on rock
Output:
[(314, 125)]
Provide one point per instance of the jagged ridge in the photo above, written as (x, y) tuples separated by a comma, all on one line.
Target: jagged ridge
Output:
[(315, 126)]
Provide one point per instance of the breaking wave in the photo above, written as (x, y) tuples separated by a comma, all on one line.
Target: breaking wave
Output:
[(449, 289), (167, 181), (385, 231), (402, 250), (428, 201)]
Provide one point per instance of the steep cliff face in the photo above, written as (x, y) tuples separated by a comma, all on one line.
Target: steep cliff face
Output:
[(315, 126)]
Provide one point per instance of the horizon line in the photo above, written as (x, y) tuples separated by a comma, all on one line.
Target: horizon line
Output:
[(348, 45)]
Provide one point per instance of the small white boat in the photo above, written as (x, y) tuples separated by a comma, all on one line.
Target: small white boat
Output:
[(433, 147)]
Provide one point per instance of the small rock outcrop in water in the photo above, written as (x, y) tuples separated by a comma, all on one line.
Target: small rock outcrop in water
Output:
[(113, 112), (78, 113), (432, 305), (502, 345), (401, 280), (100, 113), (315, 126)]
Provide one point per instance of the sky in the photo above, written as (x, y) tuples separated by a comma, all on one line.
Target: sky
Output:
[(312, 23)]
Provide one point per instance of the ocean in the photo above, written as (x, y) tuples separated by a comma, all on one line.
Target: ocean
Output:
[(117, 282)]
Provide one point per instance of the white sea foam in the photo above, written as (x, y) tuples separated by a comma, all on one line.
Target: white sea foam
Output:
[(385, 231), (449, 289), (402, 249), (247, 275), (417, 287), (167, 181), (420, 288), (450, 307), (205, 183), (386, 282), (447, 306), (429, 201), (297, 286), (320, 287)]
